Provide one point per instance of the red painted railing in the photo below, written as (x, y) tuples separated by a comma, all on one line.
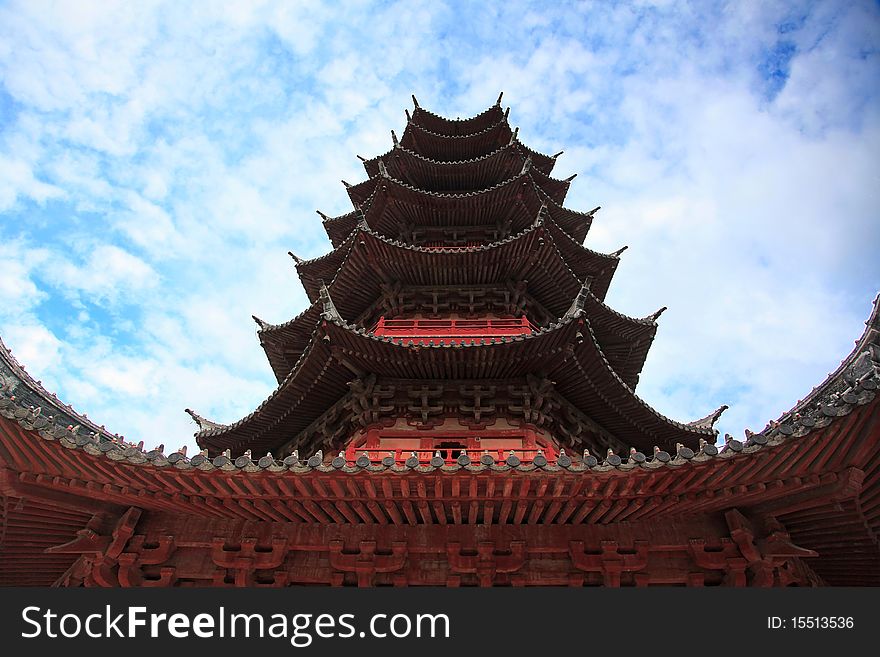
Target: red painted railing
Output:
[(449, 455), (434, 246), (453, 330)]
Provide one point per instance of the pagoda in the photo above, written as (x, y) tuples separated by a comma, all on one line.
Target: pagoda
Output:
[(455, 407)]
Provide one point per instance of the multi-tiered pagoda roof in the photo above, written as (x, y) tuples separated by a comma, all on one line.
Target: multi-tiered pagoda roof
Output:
[(459, 219)]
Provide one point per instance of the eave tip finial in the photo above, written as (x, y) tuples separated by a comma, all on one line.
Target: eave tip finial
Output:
[(262, 324), (498, 102), (656, 314), (204, 424), (620, 250), (394, 137), (295, 257), (415, 100)]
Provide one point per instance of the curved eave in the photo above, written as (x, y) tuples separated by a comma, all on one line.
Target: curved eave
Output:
[(589, 382), (554, 188), (496, 358), (285, 343), (313, 385), (15, 379), (459, 147), (862, 361), (455, 127), (575, 223), (395, 204), (339, 228), (319, 380), (540, 162), (456, 178), (322, 269), (584, 262), (529, 255), (625, 341), (444, 177)]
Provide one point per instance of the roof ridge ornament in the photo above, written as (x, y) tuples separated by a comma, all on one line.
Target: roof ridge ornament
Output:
[(619, 251), (526, 166), (513, 135), (329, 311), (323, 216), (577, 306), (394, 139), (204, 423), (362, 220), (408, 117), (382, 170), (295, 257), (542, 215), (261, 323)]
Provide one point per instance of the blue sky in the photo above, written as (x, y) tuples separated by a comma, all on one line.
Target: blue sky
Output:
[(158, 160)]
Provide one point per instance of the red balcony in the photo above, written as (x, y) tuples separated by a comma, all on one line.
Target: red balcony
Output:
[(452, 331)]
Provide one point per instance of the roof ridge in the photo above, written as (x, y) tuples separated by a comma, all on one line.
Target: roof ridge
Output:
[(469, 135), (22, 376)]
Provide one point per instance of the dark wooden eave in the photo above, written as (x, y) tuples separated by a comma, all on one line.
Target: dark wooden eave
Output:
[(285, 343), (15, 380), (480, 173), (421, 171), (564, 351), (446, 148), (454, 127), (625, 340), (374, 259), (520, 206)]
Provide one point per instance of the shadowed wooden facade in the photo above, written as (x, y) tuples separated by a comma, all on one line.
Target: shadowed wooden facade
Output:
[(456, 407)]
